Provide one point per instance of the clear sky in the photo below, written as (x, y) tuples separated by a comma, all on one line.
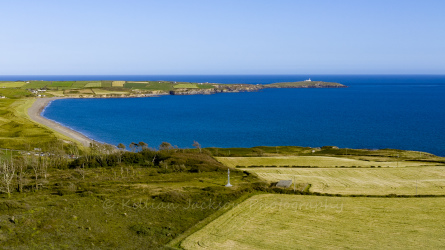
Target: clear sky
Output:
[(96, 37)]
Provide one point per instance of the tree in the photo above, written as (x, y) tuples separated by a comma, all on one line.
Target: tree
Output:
[(133, 146), (165, 146), (143, 145), (7, 174), (121, 146), (197, 145)]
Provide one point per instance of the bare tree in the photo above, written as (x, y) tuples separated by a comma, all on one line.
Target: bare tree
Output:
[(22, 166), (197, 145), (35, 165), (143, 145), (7, 173), (132, 146), (121, 146), (165, 146)]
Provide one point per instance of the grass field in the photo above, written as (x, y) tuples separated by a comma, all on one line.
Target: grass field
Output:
[(78, 92), (36, 85), (17, 131), (14, 93), (11, 84), (315, 161), (117, 83), (109, 92), (79, 84), (185, 86), (206, 86), (155, 85), (55, 92), (106, 84), (133, 85), (309, 222), (367, 181), (64, 84), (93, 85)]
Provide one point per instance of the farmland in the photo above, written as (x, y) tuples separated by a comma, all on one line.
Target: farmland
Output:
[(316, 161), (289, 222), (93, 85), (117, 83), (185, 86), (11, 84), (366, 181)]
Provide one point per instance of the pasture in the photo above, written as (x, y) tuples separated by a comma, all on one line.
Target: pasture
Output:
[(109, 92), (36, 85), (93, 85), (11, 84), (63, 84), (366, 181), (15, 93), (185, 86), (106, 84), (290, 222), (315, 161), (117, 83), (17, 131)]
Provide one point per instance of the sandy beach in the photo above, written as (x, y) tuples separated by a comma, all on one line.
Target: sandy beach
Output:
[(37, 108)]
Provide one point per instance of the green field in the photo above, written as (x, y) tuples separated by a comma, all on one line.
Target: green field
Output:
[(185, 86), (309, 222), (17, 131), (36, 85), (11, 84), (316, 161), (206, 86), (117, 205), (62, 85), (366, 181), (134, 85), (109, 92), (79, 84), (93, 85), (118, 83), (15, 93)]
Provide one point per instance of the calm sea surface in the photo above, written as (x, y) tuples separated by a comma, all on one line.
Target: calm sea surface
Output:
[(379, 111)]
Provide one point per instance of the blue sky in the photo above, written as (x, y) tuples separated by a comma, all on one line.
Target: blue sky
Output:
[(222, 37)]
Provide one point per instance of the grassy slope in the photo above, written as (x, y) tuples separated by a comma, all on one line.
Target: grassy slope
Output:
[(130, 207), (17, 131), (11, 84), (288, 222)]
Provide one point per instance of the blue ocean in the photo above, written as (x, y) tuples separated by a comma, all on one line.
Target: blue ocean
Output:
[(375, 112)]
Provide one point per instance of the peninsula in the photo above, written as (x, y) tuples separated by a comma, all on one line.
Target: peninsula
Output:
[(105, 89)]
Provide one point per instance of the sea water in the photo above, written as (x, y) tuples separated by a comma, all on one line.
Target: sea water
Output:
[(386, 111)]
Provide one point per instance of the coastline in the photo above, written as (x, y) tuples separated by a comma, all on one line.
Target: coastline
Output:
[(34, 113)]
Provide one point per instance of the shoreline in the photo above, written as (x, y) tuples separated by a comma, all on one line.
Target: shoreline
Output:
[(34, 113)]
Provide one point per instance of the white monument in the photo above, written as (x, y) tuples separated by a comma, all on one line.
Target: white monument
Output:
[(228, 178)]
